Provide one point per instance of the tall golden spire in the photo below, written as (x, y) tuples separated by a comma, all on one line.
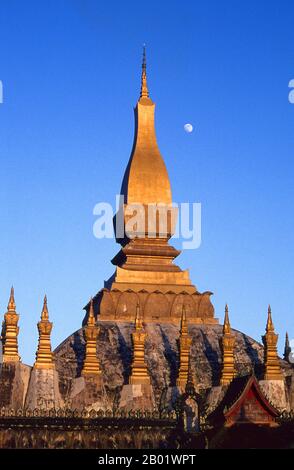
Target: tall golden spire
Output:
[(144, 88), (139, 371), (91, 331), (184, 346), (227, 343), (272, 368), (145, 221), (44, 356), (146, 179), (10, 331)]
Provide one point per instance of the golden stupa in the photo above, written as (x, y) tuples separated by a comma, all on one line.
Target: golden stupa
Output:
[(145, 271)]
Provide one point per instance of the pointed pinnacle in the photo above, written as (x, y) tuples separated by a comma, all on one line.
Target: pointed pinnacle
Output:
[(227, 325), (184, 326), (138, 320), (91, 317), (287, 349), (45, 314), (287, 339), (11, 304), (144, 88), (144, 57), (269, 324)]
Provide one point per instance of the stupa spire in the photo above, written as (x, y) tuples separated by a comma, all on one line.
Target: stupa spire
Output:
[(11, 304), (227, 344), (145, 221), (227, 325), (44, 355), (146, 180), (138, 319), (272, 368), (139, 374), (45, 313), (287, 349), (269, 324), (10, 331), (184, 350), (91, 362), (144, 88)]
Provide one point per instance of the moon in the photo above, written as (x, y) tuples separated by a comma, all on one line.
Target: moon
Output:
[(188, 128)]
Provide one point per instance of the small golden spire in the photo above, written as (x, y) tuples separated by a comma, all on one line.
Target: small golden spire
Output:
[(272, 368), (138, 319), (144, 88), (10, 331), (11, 304), (91, 331), (227, 326), (269, 324), (227, 343), (184, 325), (91, 318), (184, 347), (139, 371), (45, 314), (44, 355)]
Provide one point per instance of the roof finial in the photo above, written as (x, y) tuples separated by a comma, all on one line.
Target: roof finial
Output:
[(144, 88)]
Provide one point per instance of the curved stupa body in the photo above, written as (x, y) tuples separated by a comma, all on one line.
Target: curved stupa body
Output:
[(145, 269)]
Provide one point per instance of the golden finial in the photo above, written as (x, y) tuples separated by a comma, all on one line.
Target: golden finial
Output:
[(91, 317), (139, 371), (184, 325), (45, 314), (10, 331), (144, 88), (184, 350), (227, 325), (138, 319), (269, 325), (272, 368), (44, 356), (11, 304), (227, 345), (91, 363)]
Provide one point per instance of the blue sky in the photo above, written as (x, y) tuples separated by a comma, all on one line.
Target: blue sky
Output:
[(70, 71)]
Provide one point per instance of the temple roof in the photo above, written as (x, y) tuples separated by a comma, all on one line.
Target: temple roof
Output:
[(237, 393)]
